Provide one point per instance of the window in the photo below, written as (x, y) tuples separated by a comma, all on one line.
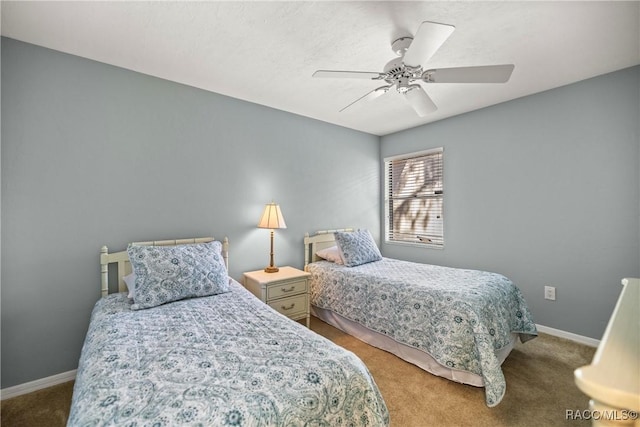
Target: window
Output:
[(414, 198)]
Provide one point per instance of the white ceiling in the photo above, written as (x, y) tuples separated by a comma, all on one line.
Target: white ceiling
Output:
[(266, 52)]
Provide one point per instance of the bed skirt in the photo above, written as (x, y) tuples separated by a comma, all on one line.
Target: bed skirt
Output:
[(417, 357)]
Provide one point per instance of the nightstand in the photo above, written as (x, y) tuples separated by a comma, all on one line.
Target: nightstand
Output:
[(286, 291)]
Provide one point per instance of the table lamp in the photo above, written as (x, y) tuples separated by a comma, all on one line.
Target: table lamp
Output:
[(272, 218)]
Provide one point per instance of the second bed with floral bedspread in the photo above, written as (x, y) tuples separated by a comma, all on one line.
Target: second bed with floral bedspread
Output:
[(459, 317)]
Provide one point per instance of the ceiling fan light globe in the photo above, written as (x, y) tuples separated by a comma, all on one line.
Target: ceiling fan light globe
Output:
[(404, 88)]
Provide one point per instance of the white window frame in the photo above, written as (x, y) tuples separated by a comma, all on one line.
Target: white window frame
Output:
[(435, 240)]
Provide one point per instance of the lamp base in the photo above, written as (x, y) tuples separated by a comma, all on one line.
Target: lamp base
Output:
[(271, 269)]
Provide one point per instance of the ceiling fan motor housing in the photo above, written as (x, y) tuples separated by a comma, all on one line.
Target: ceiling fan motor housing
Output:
[(400, 75)]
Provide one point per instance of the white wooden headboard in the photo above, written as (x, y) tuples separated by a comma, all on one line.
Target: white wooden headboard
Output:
[(124, 267), (319, 240)]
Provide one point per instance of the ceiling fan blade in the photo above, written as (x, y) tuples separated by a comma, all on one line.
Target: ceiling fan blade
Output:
[(428, 39), (419, 100), (481, 74), (348, 74), (370, 96)]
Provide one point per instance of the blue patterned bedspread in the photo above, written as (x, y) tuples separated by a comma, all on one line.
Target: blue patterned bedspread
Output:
[(460, 317), (223, 360)]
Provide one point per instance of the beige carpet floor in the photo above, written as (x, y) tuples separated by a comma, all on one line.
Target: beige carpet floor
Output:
[(539, 374), (48, 407)]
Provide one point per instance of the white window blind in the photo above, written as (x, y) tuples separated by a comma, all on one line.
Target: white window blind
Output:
[(414, 198)]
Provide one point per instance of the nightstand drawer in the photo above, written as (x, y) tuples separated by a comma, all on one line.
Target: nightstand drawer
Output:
[(286, 289), (291, 306)]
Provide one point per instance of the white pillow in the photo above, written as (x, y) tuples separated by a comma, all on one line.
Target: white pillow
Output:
[(130, 280), (331, 254)]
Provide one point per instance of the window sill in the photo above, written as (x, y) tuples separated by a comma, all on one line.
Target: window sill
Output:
[(414, 244)]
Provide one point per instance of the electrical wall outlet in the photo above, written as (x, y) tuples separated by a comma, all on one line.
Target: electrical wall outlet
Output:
[(550, 293)]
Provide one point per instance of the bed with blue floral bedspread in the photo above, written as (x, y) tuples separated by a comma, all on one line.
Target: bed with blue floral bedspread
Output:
[(461, 318), (187, 345), (220, 360)]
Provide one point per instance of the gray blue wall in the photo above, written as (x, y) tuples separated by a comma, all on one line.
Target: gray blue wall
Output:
[(95, 155), (546, 190)]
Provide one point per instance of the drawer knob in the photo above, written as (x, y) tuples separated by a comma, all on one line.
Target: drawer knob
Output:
[(288, 290), (290, 307)]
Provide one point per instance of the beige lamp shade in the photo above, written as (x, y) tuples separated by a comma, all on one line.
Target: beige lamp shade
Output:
[(272, 217)]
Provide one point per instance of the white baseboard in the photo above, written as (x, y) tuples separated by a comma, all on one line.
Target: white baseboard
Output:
[(591, 342), (36, 385)]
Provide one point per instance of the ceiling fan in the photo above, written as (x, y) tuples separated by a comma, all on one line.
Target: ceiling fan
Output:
[(403, 73)]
